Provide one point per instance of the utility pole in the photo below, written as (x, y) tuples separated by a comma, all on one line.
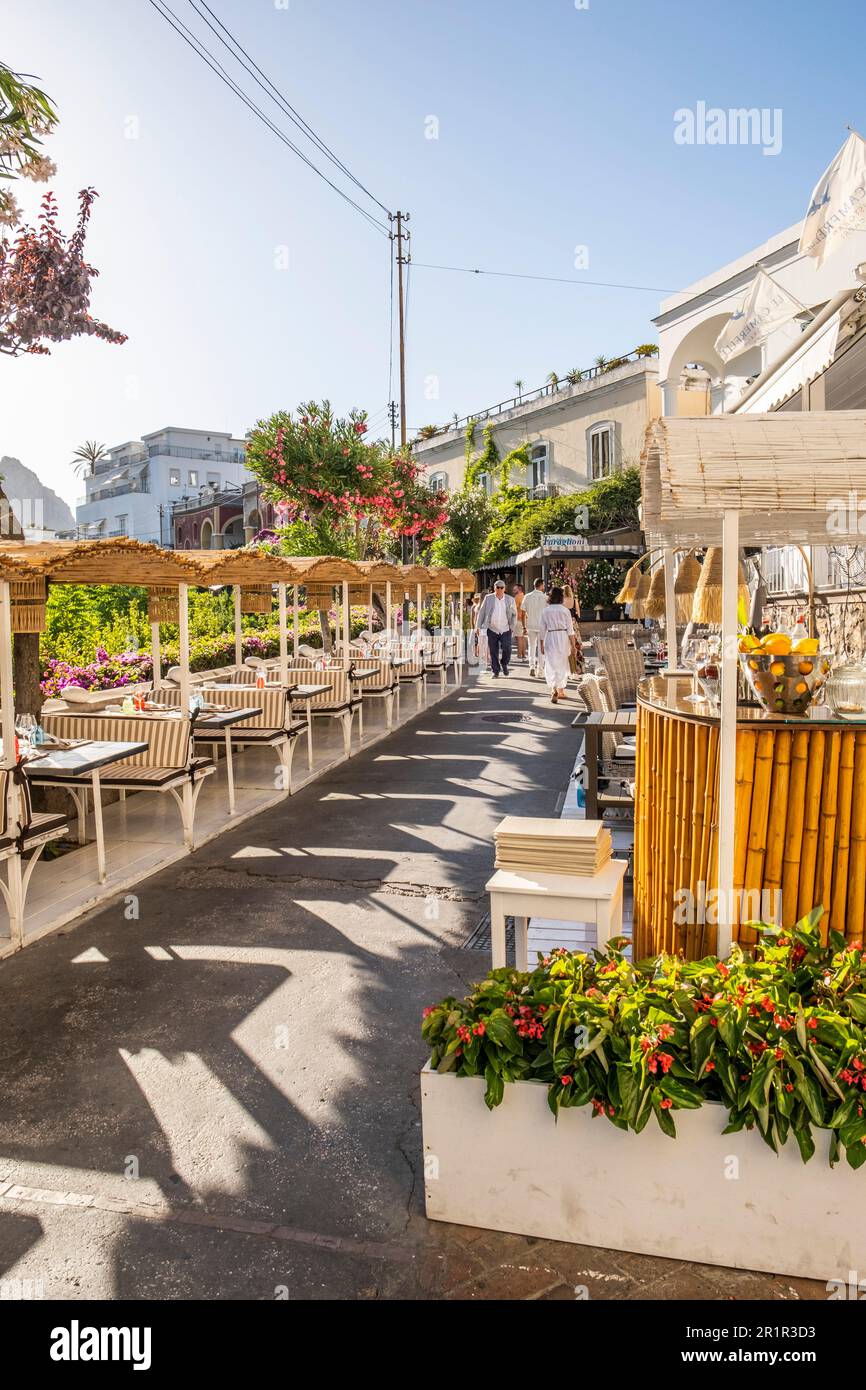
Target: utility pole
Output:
[(401, 235), (392, 416)]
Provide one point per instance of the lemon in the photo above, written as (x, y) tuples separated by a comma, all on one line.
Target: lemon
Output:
[(807, 646), (777, 644)]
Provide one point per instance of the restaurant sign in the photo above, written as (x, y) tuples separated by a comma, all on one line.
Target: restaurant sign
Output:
[(564, 542)]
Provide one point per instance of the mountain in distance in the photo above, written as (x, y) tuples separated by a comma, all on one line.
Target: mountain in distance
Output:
[(34, 504)]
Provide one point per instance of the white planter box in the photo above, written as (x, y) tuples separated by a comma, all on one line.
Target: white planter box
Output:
[(704, 1196)]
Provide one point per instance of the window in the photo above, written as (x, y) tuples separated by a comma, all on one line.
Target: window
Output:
[(601, 450), (174, 477), (483, 481), (439, 482), (539, 457), (122, 525), (193, 477)]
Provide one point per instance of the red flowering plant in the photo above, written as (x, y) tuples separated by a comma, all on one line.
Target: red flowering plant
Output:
[(319, 469), (776, 1035)]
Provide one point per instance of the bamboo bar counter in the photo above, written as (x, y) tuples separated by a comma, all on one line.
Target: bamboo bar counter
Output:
[(800, 819)]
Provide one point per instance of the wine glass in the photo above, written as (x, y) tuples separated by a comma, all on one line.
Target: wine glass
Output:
[(25, 725), (694, 654)]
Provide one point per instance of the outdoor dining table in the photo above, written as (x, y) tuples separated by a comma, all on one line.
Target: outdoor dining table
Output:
[(308, 693), (213, 721), (85, 759)]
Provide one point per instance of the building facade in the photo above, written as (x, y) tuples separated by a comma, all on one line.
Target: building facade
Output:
[(133, 490), (814, 362), (577, 432), (221, 519)]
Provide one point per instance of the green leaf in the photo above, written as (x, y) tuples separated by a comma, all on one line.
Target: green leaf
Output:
[(857, 1005), (681, 1093), (805, 1143), (664, 1117), (856, 1155), (809, 1092), (629, 1092), (495, 1088)]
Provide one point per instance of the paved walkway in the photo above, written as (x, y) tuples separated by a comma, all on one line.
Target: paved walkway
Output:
[(209, 1090)]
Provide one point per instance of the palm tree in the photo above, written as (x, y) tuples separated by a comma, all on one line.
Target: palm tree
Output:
[(574, 376), (601, 363), (518, 386), (553, 380), (88, 456)]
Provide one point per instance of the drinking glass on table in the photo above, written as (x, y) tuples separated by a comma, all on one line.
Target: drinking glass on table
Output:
[(694, 654), (25, 725)]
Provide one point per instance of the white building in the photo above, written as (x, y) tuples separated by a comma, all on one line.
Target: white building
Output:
[(131, 491), (803, 365)]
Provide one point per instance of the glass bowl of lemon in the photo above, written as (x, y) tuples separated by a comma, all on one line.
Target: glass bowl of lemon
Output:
[(785, 675)]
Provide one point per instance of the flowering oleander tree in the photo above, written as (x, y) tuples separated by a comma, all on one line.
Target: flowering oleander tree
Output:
[(345, 495), (26, 117)]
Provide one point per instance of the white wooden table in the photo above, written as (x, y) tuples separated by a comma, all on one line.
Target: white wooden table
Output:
[(565, 897)]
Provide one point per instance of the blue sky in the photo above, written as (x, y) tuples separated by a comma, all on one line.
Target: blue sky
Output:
[(555, 131)]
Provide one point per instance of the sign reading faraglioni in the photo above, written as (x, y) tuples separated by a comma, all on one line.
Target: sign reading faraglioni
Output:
[(563, 542)]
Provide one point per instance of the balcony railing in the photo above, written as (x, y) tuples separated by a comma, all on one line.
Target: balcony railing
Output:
[(538, 393), (176, 451), (122, 490)]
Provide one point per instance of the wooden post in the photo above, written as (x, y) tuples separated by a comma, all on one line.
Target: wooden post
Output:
[(388, 614), (728, 731), (156, 656), (284, 633), (296, 621), (239, 644), (670, 610), (6, 682), (347, 626), (183, 626)]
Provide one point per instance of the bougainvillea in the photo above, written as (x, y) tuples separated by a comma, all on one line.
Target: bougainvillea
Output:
[(45, 284), (318, 467), (776, 1035)]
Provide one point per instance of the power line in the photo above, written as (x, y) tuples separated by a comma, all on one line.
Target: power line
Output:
[(277, 96), (552, 279), (216, 67)]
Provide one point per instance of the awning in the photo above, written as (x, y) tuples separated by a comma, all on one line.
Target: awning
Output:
[(792, 476)]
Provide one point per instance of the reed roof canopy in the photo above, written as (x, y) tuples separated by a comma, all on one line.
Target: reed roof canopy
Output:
[(118, 561), (123, 560), (791, 477)]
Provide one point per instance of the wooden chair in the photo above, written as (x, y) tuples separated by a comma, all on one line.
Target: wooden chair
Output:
[(623, 666), (23, 837)]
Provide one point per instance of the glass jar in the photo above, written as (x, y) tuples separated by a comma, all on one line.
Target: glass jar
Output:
[(846, 690)]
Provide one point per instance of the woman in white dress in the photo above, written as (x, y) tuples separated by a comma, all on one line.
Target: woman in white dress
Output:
[(556, 636)]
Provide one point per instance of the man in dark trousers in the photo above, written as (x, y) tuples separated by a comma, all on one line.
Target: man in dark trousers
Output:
[(497, 619)]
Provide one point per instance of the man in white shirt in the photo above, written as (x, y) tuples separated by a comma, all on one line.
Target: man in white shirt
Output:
[(497, 617), (533, 606)]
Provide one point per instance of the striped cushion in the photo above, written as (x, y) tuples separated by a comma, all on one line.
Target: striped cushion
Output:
[(168, 739), (338, 697), (385, 679)]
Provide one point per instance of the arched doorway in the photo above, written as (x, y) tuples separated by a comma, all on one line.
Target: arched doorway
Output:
[(207, 535)]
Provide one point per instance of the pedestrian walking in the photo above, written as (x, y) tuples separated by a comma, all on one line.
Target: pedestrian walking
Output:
[(497, 619), (556, 636), (534, 605), (518, 593)]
